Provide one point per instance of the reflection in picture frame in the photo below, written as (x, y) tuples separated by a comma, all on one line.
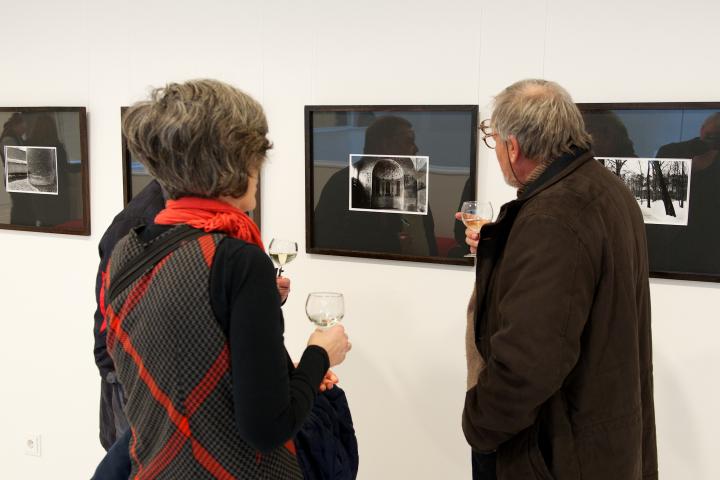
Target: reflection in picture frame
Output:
[(668, 154), (385, 181), (44, 161), (136, 178)]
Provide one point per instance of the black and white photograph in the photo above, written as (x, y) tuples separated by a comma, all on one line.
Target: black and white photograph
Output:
[(389, 183), (31, 170), (369, 169), (661, 186), (44, 163)]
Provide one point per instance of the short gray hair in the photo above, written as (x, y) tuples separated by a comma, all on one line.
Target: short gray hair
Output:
[(199, 138), (542, 116)]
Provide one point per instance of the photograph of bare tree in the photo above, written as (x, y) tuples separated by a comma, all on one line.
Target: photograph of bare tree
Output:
[(660, 186)]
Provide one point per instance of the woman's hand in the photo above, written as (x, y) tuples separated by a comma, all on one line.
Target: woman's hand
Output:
[(335, 342), (283, 286), (329, 381)]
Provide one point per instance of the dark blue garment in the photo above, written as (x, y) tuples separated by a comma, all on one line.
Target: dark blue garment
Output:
[(116, 463), (326, 445)]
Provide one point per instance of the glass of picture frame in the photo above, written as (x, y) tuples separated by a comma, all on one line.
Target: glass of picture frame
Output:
[(385, 181), (669, 156), (44, 158)]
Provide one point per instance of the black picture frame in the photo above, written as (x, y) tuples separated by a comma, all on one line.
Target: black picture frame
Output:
[(44, 163), (677, 130), (384, 181), (136, 177)]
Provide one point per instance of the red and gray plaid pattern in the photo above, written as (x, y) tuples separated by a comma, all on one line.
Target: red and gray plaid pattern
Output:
[(174, 363)]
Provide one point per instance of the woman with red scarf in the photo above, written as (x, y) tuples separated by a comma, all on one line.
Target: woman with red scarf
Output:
[(197, 339)]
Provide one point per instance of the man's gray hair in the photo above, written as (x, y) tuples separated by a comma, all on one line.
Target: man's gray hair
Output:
[(200, 138), (542, 116)]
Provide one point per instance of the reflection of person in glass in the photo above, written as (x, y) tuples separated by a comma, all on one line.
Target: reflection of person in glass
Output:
[(683, 248), (338, 227), (610, 137), (461, 248), (44, 210), (13, 134)]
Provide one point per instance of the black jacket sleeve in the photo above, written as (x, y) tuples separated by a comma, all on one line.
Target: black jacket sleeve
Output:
[(271, 399)]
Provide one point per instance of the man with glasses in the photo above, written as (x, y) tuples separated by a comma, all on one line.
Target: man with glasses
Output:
[(559, 337)]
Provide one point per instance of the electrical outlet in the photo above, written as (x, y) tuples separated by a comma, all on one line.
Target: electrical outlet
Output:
[(32, 445)]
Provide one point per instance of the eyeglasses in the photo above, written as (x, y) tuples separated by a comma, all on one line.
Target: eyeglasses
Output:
[(488, 135)]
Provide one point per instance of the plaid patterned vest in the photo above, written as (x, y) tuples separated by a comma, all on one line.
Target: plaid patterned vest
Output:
[(173, 360)]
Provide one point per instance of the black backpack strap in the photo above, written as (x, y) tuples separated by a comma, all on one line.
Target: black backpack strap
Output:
[(143, 263)]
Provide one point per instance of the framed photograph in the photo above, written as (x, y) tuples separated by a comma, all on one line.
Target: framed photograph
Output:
[(668, 154), (385, 181), (136, 177), (44, 160)]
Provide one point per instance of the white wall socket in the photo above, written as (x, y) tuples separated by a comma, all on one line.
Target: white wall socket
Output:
[(32, 445)]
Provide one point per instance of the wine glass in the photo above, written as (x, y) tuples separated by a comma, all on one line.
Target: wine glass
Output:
[(476, 214), (325, 309), (282, 252)]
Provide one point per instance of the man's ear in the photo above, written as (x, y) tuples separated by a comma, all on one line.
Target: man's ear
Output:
[(513, 149)]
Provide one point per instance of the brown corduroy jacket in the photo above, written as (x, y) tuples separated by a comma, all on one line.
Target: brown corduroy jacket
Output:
[(562, 321)]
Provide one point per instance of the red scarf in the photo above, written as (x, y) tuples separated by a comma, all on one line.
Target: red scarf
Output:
[(210, 215)]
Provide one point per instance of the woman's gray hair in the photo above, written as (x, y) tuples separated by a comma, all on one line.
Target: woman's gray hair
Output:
[(200, 138), (542, 116)]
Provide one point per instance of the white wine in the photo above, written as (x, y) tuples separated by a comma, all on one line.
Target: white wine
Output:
[(282, 259), (324, 320), (474, 222)]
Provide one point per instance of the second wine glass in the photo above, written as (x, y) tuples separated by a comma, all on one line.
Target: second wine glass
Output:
[(282, 252)]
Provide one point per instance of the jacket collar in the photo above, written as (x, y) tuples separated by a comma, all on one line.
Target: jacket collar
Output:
[(556, 171)]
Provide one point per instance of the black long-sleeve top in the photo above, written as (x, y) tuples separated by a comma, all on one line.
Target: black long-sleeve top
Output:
[(272, 398)]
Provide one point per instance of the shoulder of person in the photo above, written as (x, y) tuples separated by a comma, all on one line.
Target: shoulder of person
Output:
[(236, 250)]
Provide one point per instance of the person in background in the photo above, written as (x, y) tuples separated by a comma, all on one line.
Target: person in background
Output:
[(141, 210), (560, 327), (197, 342)]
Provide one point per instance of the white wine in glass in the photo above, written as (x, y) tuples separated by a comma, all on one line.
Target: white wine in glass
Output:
[(325, 309), (282, 252), (475, 215)]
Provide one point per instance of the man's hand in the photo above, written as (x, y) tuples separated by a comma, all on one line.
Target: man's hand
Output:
[(283, 286), (471, 237)]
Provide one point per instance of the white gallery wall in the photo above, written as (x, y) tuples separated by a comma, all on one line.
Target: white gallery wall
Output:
[(405, 377)]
